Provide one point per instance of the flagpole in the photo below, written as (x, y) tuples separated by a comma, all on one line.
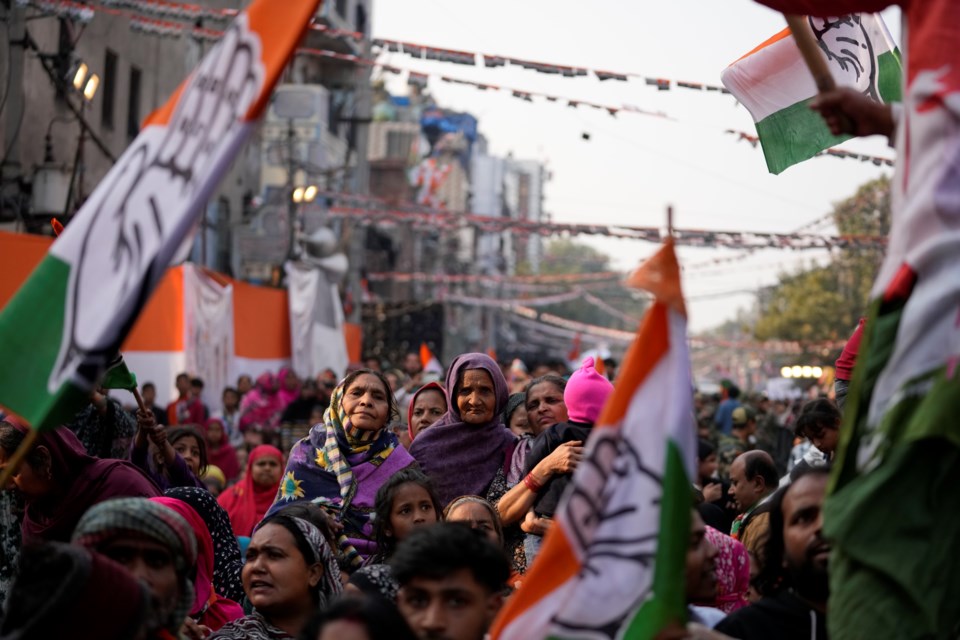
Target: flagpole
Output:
[(13, 464), (811, 52), (136, 395)]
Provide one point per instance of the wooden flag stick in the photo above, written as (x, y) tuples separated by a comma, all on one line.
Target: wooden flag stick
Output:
[(13, 464), (136, 395), (811, 52)]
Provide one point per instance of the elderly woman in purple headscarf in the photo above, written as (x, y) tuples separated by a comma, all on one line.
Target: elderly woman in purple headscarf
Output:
[(468, 450)]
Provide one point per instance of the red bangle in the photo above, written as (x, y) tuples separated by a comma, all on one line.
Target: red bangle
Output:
[(532, 483)]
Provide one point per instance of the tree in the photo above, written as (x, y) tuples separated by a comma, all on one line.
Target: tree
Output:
[(824, 303)]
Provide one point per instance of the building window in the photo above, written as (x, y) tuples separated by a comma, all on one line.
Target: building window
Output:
[(109, 88), (361, 21), (341, 7), (133, 103)]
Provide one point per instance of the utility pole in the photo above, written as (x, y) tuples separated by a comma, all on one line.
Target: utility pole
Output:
[(361, 182), (17, 37)]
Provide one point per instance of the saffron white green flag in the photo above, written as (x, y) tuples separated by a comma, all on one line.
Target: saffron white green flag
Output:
[(612, 564), (62, 328), (774, 84)]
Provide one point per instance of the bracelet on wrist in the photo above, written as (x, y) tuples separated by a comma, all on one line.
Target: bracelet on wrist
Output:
[(532, 483)]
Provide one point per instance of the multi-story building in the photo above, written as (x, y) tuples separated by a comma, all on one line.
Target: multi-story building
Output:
[(140, 53)]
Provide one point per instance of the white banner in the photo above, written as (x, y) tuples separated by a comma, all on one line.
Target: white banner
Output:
[(316, 322), (208, 331)]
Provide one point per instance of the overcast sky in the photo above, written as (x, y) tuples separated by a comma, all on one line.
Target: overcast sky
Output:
[(633, 166)]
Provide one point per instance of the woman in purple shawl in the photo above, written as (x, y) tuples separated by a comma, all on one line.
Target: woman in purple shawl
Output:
[(466, 451), (59, 481), (341, 464)]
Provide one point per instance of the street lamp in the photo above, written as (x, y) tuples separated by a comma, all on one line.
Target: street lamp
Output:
[(86, 84), (83, 81)]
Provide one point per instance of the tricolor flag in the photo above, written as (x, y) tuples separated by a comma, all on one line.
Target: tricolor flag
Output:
[(61, 329), (428, 361), (775, 85), (612, 565)]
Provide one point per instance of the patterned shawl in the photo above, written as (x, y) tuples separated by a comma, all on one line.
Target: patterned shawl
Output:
[(733, 572), (227, 562), (209, 608), (324, 468)]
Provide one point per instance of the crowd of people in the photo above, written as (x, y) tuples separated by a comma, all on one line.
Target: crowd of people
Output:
[(411, 507)]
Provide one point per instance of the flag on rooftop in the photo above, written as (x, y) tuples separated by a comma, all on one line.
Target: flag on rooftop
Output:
[(64, 326), (774, 84), (612, 564)]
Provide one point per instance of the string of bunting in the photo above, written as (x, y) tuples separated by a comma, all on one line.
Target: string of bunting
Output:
[(469, 58), (73, 11), (685, 237), (836, 153), (420, 79), (450, 278), (155, 26)]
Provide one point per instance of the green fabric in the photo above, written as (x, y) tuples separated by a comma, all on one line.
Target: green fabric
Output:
[(31, 331), (668, 604), (796, 133), (118, 376), (892, 514), (895, 567)]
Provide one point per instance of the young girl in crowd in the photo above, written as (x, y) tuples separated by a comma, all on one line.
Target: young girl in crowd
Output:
[(188, 442), (168, 468), (220, 452), (406, 502), (427, 406)]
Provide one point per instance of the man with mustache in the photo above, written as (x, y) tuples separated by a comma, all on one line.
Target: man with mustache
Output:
[(793, 576)]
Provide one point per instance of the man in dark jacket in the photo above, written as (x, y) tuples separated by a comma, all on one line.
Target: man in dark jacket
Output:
[(793, 578)]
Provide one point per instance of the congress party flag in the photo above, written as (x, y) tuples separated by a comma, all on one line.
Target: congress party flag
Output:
[(774, 84), (612, 564), (64, 326)]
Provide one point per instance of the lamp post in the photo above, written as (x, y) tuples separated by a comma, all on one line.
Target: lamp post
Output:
[(86, 84)]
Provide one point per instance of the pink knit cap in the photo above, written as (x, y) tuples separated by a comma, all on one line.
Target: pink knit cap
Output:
[(586, 393)]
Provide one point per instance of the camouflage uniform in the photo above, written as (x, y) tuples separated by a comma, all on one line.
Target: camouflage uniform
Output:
[(728, 448)]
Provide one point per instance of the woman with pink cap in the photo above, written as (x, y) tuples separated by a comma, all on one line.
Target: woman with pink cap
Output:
[(584, 395)]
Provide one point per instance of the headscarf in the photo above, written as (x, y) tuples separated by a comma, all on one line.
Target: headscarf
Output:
[(63, 588), (286, 396), (122, 517), (461, 458), (227, 561), (376, 580), (261, 405), (208, 608), (330, 584), (85, 481), (413, 400), (733, 572), (321, 467), (222, 455), (246, 502), (514, 402)]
